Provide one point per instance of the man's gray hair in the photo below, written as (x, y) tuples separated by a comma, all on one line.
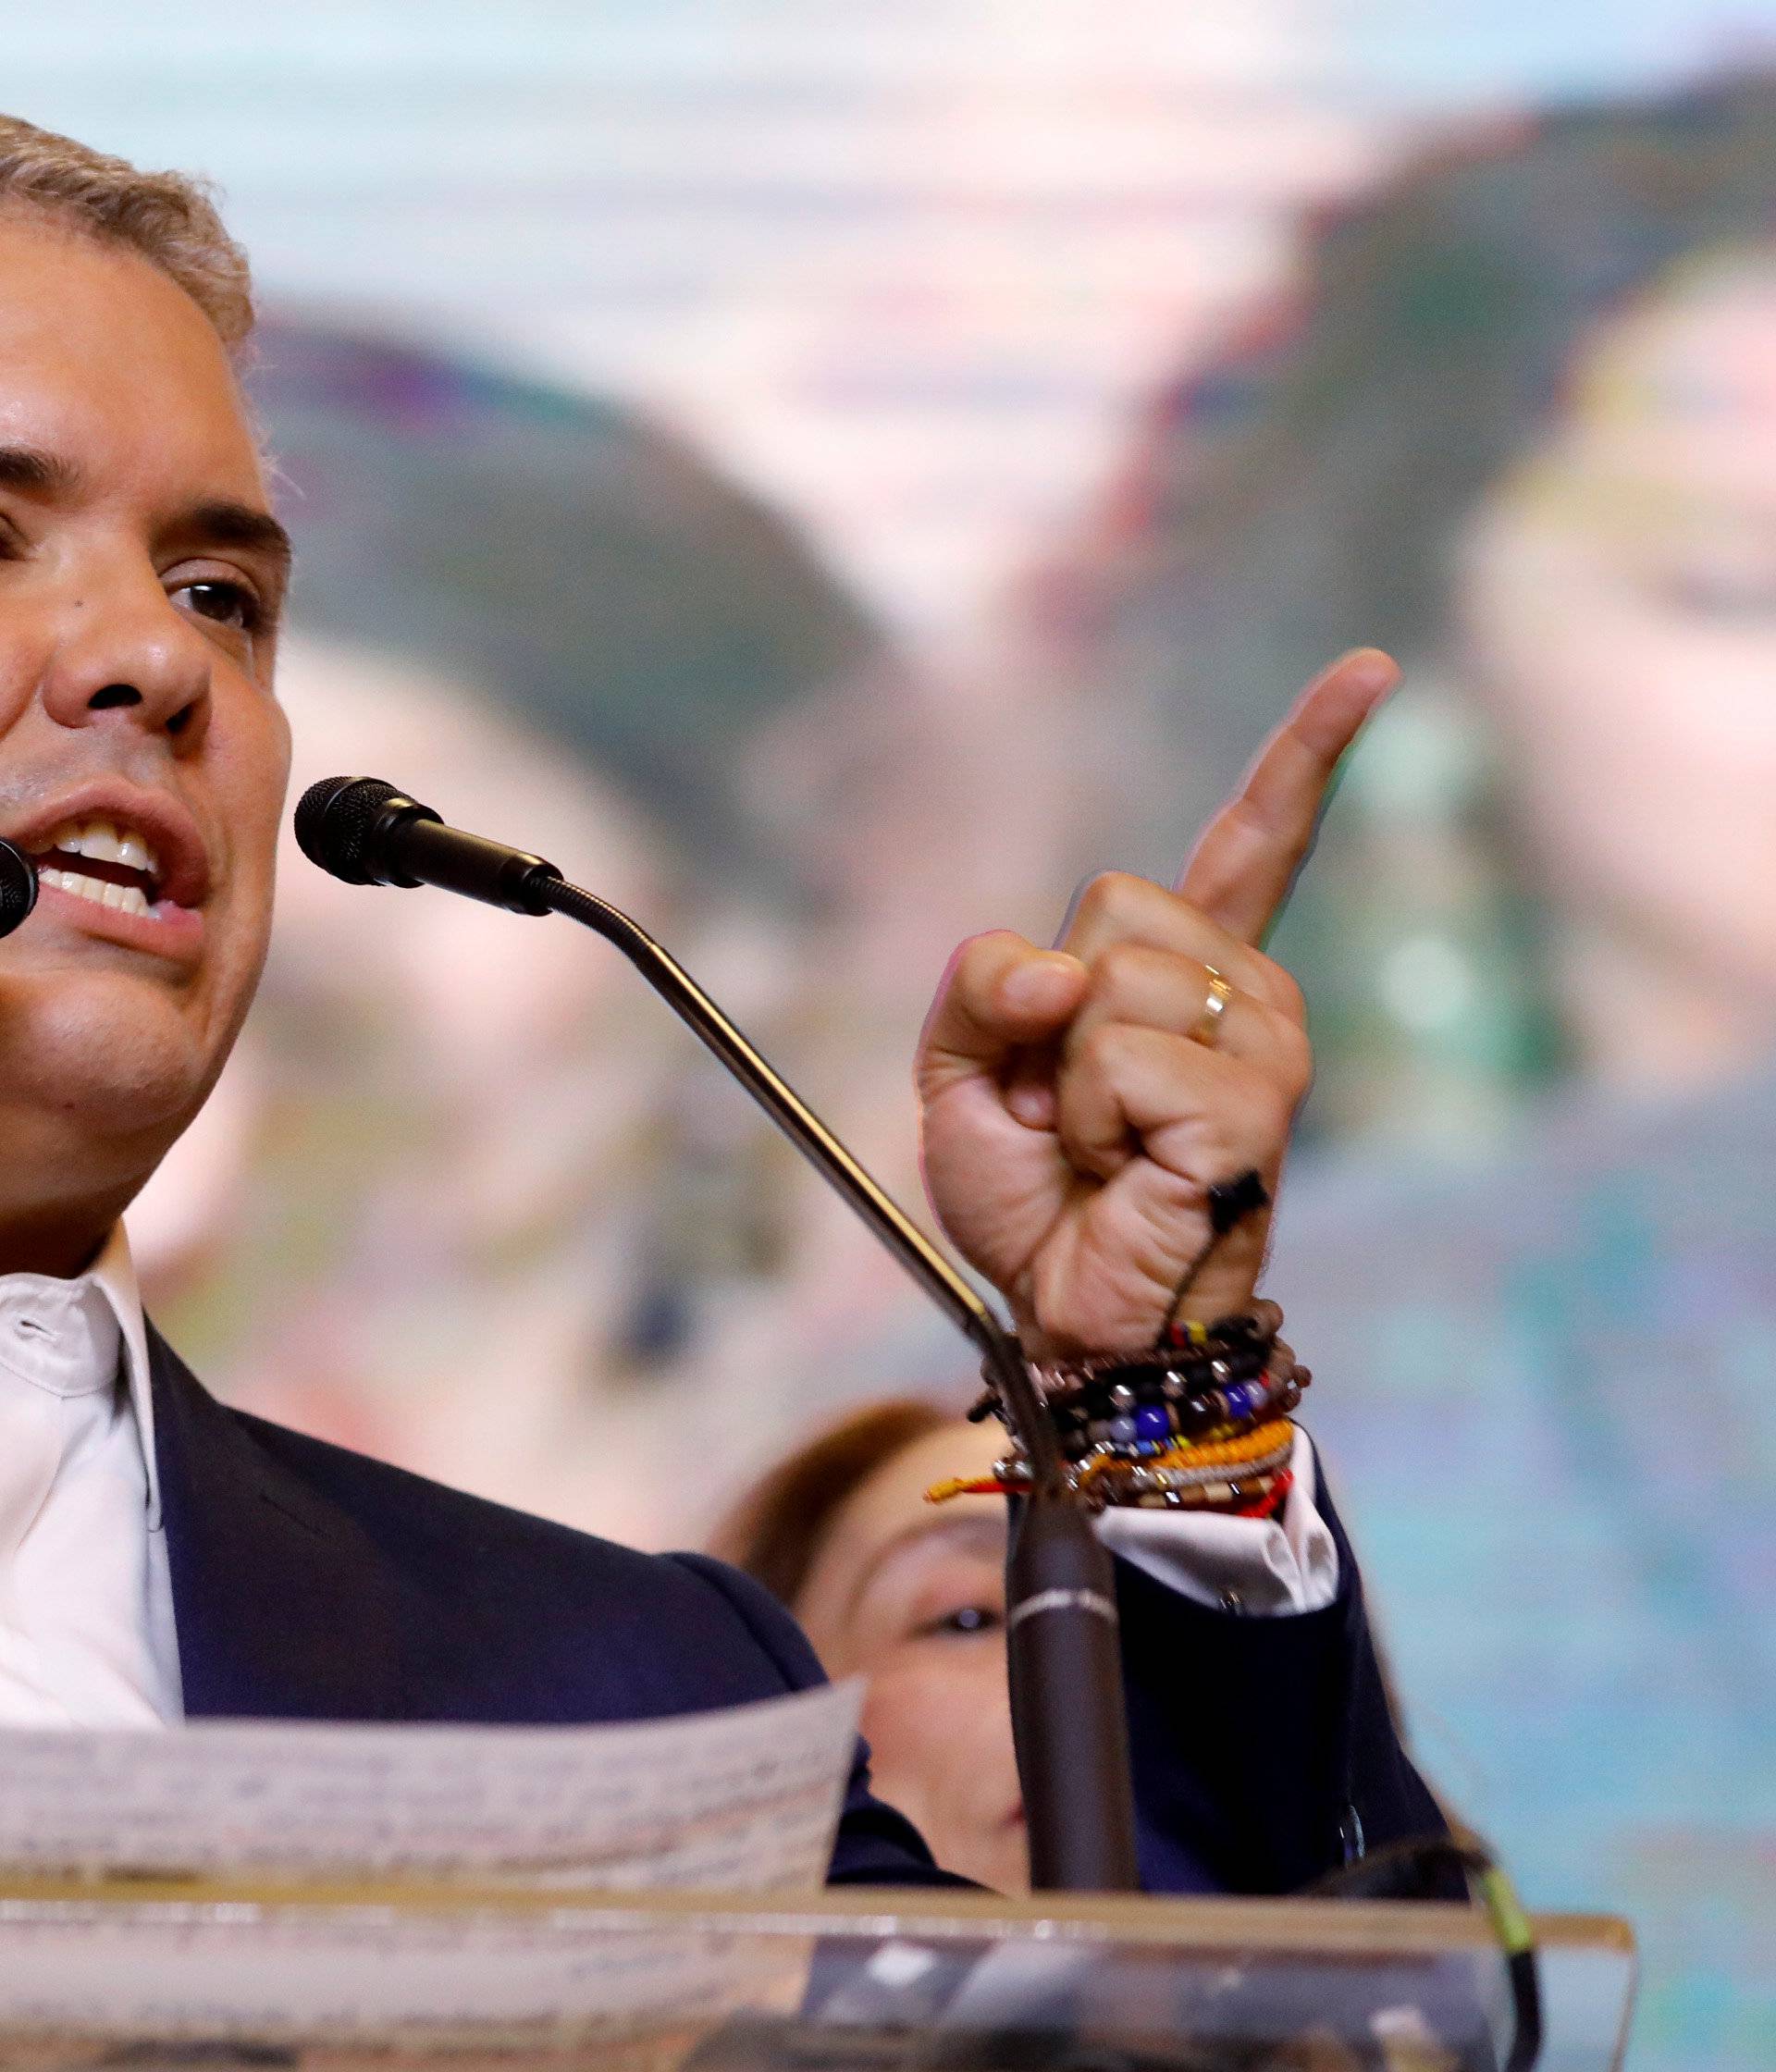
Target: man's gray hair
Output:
[(169, 219)]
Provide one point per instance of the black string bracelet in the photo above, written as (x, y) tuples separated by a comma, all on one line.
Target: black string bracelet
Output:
[(1229, 1203)]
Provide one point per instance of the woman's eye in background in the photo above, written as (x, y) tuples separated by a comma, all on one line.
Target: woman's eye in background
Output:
[(965, 1619), (944, 1596)]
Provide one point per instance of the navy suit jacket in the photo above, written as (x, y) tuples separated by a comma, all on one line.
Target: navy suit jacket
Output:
[(310, 1583)]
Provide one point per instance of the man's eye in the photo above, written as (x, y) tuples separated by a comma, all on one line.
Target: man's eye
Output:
[(226, 604)]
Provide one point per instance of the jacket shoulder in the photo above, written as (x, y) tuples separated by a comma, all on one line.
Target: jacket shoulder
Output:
[(311, 1582), (508, 1616)]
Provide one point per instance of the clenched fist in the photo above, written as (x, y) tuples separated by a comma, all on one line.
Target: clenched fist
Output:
[(1078, 1103)]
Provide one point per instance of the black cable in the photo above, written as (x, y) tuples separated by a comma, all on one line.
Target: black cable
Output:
[(1489, 1880)]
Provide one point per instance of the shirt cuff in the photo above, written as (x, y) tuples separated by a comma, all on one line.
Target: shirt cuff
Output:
[(1266, 1568)]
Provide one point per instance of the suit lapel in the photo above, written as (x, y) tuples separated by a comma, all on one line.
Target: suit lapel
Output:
[(284, 1607)]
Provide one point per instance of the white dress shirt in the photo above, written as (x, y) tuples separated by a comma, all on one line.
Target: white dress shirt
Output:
[(1263, 1568), (86, 1636), (86, 1600)]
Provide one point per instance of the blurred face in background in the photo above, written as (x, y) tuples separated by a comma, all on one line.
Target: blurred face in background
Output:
[(911, 1596), (311, 1234), (1617, 598)]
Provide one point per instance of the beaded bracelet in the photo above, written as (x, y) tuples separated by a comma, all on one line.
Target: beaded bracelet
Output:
[(1202, 1425), (1244, 1495), (1198, 1421), (1148, 1406)]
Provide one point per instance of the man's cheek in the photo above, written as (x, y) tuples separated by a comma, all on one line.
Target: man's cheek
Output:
[(251, 813)]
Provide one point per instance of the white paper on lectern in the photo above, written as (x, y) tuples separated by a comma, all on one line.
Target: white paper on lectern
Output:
[(394, 1982), (744, 1799)]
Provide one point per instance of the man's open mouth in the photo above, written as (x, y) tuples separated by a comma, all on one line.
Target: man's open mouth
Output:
[(103, 862)]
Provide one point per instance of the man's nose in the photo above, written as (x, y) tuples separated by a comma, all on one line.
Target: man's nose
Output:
[(140, 661)]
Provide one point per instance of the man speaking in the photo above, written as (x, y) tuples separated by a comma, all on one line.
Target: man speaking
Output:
[(162, 1557)]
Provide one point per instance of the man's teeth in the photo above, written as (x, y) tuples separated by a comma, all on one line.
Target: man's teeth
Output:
[(131, 899), (108, 843)]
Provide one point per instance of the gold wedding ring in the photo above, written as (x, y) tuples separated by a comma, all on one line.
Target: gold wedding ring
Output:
[(1207, 1026)]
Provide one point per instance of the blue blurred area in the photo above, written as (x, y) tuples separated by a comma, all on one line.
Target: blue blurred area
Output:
[(1545, 1395)]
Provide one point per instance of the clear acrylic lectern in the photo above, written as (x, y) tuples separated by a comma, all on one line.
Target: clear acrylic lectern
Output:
[(346, 1977)]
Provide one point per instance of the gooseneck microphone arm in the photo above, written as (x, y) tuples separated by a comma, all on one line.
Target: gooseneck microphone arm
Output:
[(1064, 1648), (797, 1121), (1062, 1635)]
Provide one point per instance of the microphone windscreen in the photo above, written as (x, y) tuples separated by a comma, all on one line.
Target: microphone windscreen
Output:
[(18, 886), (333, 822)]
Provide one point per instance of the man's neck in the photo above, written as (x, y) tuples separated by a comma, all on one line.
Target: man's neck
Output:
[(63, 1251)]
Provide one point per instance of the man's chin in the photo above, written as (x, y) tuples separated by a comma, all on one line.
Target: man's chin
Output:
[(113, 1056)]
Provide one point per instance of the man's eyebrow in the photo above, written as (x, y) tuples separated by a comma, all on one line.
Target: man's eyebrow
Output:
[(222, 521), (225, 523), (37, 473)]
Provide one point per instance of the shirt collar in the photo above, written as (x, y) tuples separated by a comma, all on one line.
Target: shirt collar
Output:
[(112, 1273)]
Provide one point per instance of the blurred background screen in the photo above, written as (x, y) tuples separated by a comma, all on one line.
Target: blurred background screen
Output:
[(832, 477)]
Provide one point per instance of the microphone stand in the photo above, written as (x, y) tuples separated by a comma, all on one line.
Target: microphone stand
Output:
[(1068, 1719)]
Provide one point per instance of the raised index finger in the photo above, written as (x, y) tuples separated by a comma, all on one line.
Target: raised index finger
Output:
[(1243, 865)]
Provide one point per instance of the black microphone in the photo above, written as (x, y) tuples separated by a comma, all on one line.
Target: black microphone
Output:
[(18, 886), (1062, 1638), (369, 833)]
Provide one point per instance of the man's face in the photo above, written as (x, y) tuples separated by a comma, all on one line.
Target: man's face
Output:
[(142, 757)]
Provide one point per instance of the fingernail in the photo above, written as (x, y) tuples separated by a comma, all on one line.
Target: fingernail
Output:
[(1370, 670), (1032, 1102), (1042, 983)]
